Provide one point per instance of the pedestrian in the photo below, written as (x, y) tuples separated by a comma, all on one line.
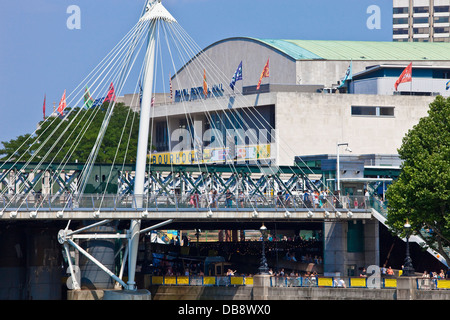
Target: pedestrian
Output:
[(229, 198), (241, 198), (363, 273)]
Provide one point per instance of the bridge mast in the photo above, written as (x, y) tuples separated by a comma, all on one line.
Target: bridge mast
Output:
[(153, 12)]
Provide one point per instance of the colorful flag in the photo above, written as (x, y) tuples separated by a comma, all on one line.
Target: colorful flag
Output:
[(62, 103), (43, 107), (348, 75), (237, 76), (264, 74), (406, 76), (447, 85), (111, 95), (140, 92), (205, 85), (88, 101)]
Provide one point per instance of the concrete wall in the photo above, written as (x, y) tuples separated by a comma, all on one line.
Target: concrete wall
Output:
[(313, 123), (221, 60)]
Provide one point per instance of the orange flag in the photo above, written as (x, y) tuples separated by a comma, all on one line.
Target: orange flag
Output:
[(205, 85), (406, 76), (62, 103), (264, 74)]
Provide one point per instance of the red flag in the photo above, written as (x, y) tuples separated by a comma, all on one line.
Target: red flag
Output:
[(111, 95), (264, 74), (62, 103), (406, 76), (43, 107), (205, 85)]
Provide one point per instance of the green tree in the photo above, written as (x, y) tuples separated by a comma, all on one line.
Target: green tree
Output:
[(72, 138), (15, 149), (422, 192)]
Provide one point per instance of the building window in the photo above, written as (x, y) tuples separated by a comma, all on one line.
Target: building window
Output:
[(400, 31), (400, 20), (441, 30), (400, 10), (443, 19), (421, 30), (372, 111), (441, 8), (420, 20), (421, 9)]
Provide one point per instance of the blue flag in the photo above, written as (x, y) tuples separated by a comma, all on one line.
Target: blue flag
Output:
[(447, 85), (348, 75), (237, 76)]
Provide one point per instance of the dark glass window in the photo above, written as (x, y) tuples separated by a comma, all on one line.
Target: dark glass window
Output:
[(441, 8), (400, 31), (420, 20), (372, 111), (400, 20), (421, 9), (441, 19), (400, 10)]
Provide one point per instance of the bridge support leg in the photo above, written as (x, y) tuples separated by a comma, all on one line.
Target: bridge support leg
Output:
[(142, 151)]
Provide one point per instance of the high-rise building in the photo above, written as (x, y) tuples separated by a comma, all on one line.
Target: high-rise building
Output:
[(421, 20)]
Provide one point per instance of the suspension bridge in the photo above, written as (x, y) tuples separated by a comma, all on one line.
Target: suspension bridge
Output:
[(34, 186)]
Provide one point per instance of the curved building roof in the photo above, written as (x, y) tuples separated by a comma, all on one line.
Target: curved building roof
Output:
[(355, 50)]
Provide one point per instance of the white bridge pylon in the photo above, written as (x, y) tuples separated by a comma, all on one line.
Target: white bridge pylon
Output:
[(154, 12)]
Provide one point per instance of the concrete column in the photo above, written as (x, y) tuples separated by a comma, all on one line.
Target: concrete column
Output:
[(261, 285), (372, 243), (406, 288), (335, 247)]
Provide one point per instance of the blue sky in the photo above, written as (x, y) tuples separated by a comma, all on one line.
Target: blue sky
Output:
[(40, 55)]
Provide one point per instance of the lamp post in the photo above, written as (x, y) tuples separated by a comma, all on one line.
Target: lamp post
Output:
[(408, 269), (338, 167), (263, 268)]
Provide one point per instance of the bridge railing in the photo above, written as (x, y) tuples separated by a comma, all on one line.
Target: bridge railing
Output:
[(296, 281), (69, 201)]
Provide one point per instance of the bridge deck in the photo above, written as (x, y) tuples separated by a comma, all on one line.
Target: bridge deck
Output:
[(188, 214)]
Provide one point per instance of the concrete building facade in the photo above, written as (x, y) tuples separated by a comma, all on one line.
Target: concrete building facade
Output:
[(303, 99)]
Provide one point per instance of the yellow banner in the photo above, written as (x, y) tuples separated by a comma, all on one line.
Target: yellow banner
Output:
[(237, 280), (443, 284), (157, 280), (209, 280), (390, 283), (183, 280), (325, 282), (215, 155), (170, 280), (357, 282)]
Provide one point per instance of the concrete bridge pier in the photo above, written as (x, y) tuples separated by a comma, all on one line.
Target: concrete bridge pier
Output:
[(350, 245)]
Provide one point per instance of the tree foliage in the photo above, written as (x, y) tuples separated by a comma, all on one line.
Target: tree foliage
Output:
[(422, 192), (72, 138)]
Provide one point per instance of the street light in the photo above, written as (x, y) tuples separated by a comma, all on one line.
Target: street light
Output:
[(338, 167), (408, 269), (263, 268)]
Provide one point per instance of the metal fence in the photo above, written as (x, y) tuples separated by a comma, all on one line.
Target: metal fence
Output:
[(172, 201), (318, 282)]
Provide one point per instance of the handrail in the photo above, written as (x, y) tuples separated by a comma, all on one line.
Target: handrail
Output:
[(114, 202)]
